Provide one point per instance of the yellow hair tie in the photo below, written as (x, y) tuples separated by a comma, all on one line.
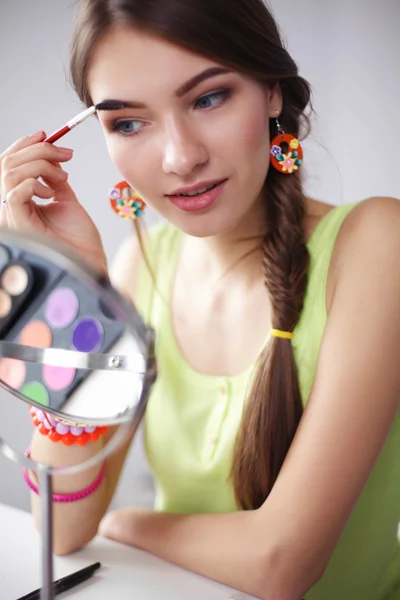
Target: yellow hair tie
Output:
[(286, 335)]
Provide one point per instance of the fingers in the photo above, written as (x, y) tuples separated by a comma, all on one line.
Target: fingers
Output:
[(21, 165), (17, 146), (19, 209), (27, 150), (13, 176), (11, 159), (22, 143)]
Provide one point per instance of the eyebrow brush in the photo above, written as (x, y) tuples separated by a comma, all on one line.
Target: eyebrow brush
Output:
[(82, 116)]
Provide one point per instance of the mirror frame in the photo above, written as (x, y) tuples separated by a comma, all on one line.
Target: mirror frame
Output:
[(65, 258)]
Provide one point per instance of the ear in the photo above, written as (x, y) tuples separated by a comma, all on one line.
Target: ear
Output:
[(275, 99)]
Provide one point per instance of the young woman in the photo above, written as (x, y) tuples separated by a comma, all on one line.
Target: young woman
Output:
[(273, 430)]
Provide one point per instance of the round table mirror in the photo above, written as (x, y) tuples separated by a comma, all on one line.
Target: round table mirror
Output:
[(74, 351)]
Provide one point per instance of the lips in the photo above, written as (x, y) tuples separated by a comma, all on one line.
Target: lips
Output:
[(200, 201), (194, 189), (198, 192)]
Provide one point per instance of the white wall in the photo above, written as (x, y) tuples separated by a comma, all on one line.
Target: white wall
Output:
[(349, 51)]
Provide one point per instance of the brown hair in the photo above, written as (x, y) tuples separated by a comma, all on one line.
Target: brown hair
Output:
[(242, 35)]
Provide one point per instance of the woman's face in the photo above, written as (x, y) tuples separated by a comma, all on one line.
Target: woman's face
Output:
[(190, 124)]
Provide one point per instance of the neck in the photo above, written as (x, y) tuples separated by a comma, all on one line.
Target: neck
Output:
[(238, 251)]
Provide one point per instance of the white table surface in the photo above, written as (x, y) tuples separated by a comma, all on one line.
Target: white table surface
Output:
[(126, 573)]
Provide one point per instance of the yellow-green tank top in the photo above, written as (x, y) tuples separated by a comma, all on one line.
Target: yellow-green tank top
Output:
[(192, 420)]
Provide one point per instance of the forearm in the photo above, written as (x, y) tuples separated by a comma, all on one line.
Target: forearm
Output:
[(76, 523), (228, 548), (234, 549)]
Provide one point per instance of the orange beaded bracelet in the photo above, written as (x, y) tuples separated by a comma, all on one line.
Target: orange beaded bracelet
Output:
[(63, 431)]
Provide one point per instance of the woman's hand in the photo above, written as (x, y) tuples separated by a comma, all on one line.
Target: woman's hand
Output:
[(64, 218)]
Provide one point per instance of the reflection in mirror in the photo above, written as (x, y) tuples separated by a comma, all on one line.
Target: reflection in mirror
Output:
[(69, 343)]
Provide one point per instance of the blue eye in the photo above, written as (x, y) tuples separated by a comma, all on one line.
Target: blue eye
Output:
[(127, 127), (212, 100)]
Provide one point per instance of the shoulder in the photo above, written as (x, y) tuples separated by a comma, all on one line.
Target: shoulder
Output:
[(141, 245), (369, 235), (375, 219), (124, 266)]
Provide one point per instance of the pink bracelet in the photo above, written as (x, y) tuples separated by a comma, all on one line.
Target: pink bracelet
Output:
[(75, 496)]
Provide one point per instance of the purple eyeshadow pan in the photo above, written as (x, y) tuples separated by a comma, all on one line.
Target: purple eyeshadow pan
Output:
[(88, 335), (61, 308)]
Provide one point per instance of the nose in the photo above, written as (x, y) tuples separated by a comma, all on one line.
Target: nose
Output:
[(183, 149)]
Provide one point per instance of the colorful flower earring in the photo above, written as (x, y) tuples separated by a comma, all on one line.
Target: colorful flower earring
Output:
[(126, 202), (290, 162)]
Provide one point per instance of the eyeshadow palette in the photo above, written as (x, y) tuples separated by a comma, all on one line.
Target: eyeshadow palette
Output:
[(43, 306)]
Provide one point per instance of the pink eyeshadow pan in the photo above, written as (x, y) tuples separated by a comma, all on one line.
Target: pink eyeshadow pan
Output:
[(12, 372), (61, 308), (58, 378)]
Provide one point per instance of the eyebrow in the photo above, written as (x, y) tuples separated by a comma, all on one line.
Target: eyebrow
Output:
[(184, 89)]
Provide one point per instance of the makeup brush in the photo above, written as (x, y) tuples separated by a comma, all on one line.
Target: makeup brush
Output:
[(107, 105)]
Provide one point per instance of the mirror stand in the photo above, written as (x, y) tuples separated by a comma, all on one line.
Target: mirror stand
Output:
[(46, 530)]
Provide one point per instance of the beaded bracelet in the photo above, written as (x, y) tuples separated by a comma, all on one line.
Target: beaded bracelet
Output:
[(74, 496), (58, 430)]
